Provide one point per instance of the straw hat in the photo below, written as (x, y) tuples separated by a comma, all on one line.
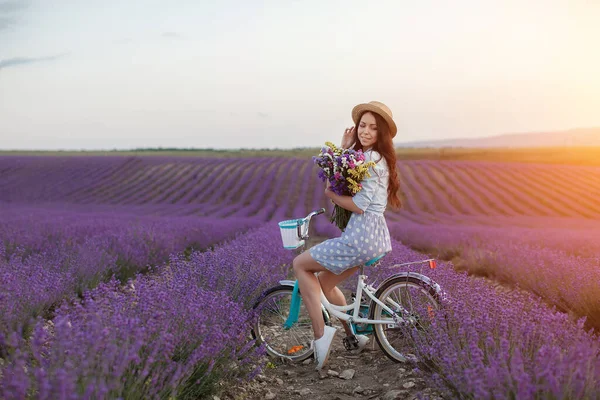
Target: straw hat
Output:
[(376, 107)]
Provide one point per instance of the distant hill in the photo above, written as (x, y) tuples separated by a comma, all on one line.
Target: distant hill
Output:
[(572, 137)]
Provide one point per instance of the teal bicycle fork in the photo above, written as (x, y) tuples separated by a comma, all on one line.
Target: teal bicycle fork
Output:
[(294, 308), (358, 329)]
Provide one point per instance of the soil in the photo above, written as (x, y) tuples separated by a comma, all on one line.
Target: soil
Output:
[(368, 375)]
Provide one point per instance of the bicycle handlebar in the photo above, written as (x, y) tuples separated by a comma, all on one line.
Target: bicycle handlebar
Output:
[(307, 219), (316, 212)]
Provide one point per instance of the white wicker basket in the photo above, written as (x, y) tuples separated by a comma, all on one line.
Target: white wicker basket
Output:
[(289, 232)]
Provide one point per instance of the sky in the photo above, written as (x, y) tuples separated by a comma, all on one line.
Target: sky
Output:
[(123, 74)]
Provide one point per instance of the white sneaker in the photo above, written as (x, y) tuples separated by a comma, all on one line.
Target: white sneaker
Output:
[(322, 346), (363, 340), (356, 343)]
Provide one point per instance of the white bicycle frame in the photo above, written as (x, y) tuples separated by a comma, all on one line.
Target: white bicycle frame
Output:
[(340, 311)]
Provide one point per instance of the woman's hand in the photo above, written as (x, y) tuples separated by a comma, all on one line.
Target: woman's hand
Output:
[(348, 138), (327, 186)]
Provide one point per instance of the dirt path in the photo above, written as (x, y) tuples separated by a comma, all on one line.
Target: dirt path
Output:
[(369, 375)]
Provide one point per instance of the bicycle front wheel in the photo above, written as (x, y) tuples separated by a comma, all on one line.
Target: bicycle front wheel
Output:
[(414, 303), (272, 311)]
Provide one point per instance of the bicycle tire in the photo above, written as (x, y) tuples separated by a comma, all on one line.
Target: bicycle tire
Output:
[(288, 344), (396, 341)]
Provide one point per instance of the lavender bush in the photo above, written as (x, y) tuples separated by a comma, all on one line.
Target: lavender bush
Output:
[(490, 343), (561, 266), (174, 333), (47, 256), (152, 340)]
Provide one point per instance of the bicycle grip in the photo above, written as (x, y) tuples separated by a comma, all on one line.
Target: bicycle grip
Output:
[(321, 211)]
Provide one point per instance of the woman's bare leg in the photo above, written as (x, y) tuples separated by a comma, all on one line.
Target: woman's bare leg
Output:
[(304, 268), (334, 295)]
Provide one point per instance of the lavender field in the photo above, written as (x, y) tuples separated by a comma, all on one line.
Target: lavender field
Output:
[(134, 277)]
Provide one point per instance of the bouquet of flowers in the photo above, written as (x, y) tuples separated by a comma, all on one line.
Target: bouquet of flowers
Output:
[(344, 169)]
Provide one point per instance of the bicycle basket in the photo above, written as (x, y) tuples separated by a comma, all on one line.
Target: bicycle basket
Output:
[(289, 232)]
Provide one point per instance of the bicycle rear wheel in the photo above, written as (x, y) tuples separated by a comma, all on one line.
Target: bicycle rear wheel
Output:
[(272, 311), (416, 303)]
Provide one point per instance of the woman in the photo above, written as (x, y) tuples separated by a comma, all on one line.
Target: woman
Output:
[(366, 235)]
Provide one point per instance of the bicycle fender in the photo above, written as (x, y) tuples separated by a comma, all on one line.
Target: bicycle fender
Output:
[(427, 281), (287, 282)]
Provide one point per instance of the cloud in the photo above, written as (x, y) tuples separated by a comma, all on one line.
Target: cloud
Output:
[(12, 6), (6, 22), (14, 62), (9, 11)]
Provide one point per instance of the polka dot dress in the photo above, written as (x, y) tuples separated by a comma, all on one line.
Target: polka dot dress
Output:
[(365, 238)]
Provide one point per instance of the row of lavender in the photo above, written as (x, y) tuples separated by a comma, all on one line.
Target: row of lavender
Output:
[(489, 344), (562, 266), (198, 185), (174, 333), (181, 330), (49, 254), (480, 188)]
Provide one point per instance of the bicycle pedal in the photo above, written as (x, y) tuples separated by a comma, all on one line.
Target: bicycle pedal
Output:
[(350, 343)]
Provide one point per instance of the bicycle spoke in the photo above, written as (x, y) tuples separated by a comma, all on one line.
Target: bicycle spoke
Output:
[(284, 342), (410, 310), (279, 312), (414, 305)]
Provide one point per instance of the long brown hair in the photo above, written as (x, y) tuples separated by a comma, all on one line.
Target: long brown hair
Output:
[(385, 147)]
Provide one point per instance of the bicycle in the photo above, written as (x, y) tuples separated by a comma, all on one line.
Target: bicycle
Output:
[(283, 325)]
